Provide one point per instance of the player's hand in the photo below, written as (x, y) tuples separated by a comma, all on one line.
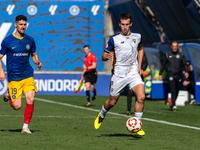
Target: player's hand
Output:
[(186, 75), (2, 76), (40, 66), (140, 71), (84, 67), (160, 77), (110, 56)]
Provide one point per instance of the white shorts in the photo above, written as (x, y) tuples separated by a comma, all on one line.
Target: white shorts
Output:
[(117, 83)]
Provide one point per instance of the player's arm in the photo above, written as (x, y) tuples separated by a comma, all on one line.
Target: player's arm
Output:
[(2, 74), (94, 63), (36, 60), (140, 58), (108, 52), (107, 56)]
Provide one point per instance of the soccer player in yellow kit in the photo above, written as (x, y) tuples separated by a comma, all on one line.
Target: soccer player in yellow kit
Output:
[(19, 47)]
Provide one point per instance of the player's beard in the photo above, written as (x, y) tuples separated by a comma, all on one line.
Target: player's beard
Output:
[(125, 32)]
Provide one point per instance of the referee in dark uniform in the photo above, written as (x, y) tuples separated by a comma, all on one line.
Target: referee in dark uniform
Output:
[(174, 61)]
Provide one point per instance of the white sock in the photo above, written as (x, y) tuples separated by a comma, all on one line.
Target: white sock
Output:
[(25, 125), (138, 115), (103, 112)]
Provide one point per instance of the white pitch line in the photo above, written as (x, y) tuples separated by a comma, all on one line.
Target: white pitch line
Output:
[(116, 114), (68, 117)]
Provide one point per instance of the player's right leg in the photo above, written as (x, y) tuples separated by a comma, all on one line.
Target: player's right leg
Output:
[(117, 84), (15, 92)]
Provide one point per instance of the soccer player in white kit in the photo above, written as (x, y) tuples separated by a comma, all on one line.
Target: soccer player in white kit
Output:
[(127, 52)]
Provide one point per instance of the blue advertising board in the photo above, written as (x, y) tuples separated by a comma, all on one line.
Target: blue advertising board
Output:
[(60, 30), (63, 84)]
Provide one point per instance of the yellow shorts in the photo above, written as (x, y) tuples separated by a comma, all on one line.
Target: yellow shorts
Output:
[(17, 87)]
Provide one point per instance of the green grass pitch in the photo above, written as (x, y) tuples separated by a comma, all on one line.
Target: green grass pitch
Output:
[(65, 123)]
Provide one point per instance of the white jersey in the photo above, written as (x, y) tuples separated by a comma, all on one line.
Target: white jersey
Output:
[(125, 50)]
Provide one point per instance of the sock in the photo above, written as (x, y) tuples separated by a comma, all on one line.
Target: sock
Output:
[(28, 113), (10, 102), (88, 96), (138, 115), (103, 112), (94, 92), (25, 126)]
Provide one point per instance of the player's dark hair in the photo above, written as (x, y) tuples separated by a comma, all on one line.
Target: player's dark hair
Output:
[(125, 16), (20, 17), (86, 46)]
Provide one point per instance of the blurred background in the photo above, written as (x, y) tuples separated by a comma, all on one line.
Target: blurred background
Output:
[(62, 28)]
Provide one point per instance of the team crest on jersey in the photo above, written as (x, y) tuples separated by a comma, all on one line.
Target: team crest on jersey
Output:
[(134, 40), (28, 46), (177, 56)]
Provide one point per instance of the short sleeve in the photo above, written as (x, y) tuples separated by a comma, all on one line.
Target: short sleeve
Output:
[(3, 48), (33, 49), (110, 45), (140, 43), (94, 59)]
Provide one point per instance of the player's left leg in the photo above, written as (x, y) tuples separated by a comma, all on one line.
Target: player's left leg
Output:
[(139, 104), (29, 90), (108, 104), (87, 86)]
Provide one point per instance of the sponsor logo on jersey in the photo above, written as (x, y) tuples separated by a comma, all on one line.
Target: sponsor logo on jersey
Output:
[(13, 96), (14, 47), (20, 54), (28, 46)]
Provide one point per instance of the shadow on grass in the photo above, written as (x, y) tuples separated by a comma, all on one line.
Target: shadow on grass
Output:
[(16, 130), (135, 136)]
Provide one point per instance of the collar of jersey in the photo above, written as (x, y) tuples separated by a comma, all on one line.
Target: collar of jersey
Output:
[(18, 37)]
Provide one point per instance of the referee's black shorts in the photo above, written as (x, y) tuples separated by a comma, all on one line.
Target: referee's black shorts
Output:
[(90, 77)]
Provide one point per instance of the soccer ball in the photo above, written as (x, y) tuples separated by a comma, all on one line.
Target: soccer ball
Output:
[(133, 124)]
